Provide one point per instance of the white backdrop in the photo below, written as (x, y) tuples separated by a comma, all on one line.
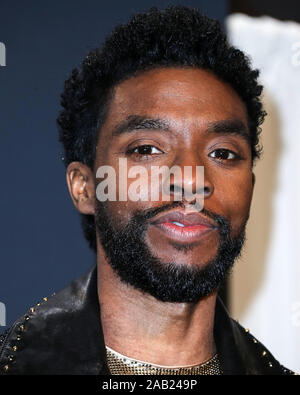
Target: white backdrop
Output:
[(265, 285)]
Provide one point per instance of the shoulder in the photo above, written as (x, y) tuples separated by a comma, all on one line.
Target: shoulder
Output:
[(3, 338), (240, 352), (257, 358), (11, 339), (58, 334)]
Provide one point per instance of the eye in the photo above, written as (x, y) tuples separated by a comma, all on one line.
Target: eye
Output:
[(144, 150), (224, 154)]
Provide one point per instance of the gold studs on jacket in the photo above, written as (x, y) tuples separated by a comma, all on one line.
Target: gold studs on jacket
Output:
[(21, 328), (264, 354)]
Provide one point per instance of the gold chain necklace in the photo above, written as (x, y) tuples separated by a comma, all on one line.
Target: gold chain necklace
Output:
[(119, 364)]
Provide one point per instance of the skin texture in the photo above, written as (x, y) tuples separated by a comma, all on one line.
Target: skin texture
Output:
[(190, 101)]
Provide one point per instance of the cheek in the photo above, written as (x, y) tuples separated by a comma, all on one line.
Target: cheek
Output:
[(132, 194), (140, 186), (236, 197)]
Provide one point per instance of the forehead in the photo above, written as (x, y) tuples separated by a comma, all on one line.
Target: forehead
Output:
[(182, 95)]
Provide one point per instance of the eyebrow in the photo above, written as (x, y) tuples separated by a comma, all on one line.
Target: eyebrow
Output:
[(137, 122), (230, 126)]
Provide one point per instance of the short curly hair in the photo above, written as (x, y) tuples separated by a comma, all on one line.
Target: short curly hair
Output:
[(175, 37)]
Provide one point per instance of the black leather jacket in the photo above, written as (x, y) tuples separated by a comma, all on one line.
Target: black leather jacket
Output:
[(63, 335)]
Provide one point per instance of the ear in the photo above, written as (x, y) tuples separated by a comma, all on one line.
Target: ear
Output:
[(81, 186)]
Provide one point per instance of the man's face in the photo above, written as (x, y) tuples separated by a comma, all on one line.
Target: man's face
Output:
[(182, 117)]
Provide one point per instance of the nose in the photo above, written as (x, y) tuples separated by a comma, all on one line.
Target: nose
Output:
[(206, 190), (191, 180)]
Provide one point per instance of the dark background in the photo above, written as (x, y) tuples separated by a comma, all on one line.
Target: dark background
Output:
[(279, 9), (41, 244)]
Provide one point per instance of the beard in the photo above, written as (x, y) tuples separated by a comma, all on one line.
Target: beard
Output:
[(132, 260)]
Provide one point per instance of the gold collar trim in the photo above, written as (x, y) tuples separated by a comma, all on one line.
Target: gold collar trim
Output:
[(121, 365)]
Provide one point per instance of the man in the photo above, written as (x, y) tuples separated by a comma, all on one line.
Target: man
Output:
[(166, 91)]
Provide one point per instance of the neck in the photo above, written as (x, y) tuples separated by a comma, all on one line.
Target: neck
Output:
[(139, 326)]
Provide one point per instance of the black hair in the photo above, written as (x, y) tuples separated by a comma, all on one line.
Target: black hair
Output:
[(177, 36)]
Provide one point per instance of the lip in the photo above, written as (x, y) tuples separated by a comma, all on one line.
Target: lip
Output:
[(188, 227)]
